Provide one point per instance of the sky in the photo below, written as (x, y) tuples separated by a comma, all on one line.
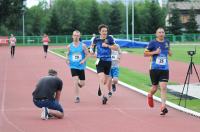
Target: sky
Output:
[(30, 3)]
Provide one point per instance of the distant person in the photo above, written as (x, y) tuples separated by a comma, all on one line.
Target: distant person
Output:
[(77, 54), (93, 36), (47, 96), (45, 40), (12, 41), (114, 71), (104, 45), (158, 50)]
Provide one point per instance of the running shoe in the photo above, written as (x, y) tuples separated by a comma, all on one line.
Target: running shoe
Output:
[(109, 94), (150, 100), (113, 87), (77, 100), (99, 91), (164, 111), (44, 114), (104, 100)]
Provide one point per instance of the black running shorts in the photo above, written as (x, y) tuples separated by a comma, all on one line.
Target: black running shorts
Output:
[(79, 73), (45, 47), (159, 76), (103, 66)]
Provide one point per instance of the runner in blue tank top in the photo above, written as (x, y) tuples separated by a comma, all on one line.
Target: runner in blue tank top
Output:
[(158, 50), (104, 45), (77, 54)]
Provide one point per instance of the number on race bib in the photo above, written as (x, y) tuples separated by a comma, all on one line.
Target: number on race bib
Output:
[(161, 60), (114, 57), (76, 57)]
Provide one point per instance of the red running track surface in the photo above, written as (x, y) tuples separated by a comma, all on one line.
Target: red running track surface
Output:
[(126, 111)]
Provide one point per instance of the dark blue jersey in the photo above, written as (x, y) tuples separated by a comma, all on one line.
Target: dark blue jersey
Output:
[(159, 61), (103, 53)]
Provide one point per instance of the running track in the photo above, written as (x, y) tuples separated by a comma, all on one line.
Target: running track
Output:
[(126, 111)]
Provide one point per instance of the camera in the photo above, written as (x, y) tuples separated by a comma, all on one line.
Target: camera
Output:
[(191, 53)]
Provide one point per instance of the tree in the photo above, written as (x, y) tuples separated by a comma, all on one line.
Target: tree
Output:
[(53, 26), (94, 19), (36, 19), (191, 25), (10, 15), (175, 22), (155, 18), (115, 24), (104, 11)]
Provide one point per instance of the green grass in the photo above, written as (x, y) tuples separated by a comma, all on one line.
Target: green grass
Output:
[(179, 53), (141, 81)]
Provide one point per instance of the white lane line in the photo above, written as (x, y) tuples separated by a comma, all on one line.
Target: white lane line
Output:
[(3, 100)]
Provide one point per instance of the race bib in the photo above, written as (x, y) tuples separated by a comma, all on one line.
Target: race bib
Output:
[(161, 60), (114, 57), (76, 57)]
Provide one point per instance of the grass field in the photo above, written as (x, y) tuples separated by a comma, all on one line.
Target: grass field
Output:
[(142, 81)]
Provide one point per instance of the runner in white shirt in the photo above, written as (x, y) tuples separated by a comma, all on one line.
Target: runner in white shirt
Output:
[(12, 41), (114, 71)]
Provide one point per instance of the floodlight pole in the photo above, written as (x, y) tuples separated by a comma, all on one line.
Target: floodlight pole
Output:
[(23, 12), (133, 4), (126, 19), (23, 26)]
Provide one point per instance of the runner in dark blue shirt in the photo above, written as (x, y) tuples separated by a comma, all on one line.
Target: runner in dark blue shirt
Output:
[(158, 50), (103, 44)]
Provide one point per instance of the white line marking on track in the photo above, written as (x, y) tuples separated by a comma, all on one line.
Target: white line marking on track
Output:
[(3, 100)]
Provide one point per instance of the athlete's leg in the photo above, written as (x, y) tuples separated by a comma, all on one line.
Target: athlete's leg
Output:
[(81, 82), (153, 89), (102, 78), (163, 92), (109, 84), (76, 87), (13, 50)]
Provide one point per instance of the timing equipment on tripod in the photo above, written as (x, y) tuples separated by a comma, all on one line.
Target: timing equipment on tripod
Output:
[(192, 52), (187, 78)]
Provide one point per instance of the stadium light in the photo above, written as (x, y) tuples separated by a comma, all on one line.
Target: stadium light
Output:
[(133, 24), (23, 12), (126, 19)]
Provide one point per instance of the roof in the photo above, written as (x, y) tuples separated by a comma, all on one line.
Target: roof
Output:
[(184, 5)]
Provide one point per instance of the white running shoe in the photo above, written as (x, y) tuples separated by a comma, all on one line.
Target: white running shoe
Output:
[(44, 114)]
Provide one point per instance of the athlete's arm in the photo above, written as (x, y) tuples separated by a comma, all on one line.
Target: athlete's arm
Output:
[(151, 53), (86, 54), (170, 53), (57, 96)]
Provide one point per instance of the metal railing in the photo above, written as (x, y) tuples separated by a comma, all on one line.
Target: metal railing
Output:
[(66, 39)]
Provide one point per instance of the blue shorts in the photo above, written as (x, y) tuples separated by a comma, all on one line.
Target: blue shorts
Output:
[(114, 72), (50, 104)]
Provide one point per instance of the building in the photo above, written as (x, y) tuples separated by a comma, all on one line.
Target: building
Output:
[(185, 8)]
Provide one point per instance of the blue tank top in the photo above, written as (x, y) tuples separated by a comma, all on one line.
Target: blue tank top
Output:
[(160, 61), (103, 53), (76, 55)]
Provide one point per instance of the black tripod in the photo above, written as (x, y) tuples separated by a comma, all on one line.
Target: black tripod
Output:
[(187, 79)]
